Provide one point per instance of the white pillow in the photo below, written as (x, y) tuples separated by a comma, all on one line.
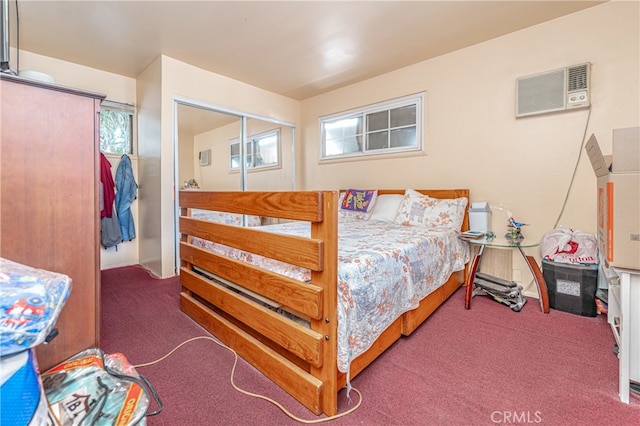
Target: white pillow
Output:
[(422, 210), (386, 207)]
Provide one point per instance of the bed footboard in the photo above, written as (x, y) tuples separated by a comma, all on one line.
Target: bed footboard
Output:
[(301, 360), (241, 303)]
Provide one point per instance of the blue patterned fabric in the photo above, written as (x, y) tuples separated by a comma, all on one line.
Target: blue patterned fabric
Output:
[(126, 192)]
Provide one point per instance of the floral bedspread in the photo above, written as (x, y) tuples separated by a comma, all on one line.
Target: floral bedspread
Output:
[(226, 218), (384, 270)]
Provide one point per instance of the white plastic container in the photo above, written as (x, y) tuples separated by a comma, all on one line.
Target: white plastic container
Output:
[(480, 217)]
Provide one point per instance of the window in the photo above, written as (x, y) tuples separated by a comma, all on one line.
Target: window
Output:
[(383, 128), (116, 128), (262, 151)]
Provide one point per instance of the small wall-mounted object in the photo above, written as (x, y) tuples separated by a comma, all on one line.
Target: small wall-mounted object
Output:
[(205, 157), (38, 76), (553, 91)]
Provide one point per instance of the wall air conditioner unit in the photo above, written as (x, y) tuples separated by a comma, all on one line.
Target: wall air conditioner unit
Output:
[(205, 157), (552, 91)]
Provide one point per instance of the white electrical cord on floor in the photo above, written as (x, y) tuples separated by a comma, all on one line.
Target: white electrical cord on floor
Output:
[(235, 362)]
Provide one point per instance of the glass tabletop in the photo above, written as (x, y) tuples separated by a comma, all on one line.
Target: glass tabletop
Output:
[(500, 242)]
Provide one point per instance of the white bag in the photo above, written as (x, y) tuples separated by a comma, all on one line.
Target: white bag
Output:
[(568, 246)]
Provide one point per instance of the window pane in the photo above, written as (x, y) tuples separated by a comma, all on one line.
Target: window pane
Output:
[(343, 136), (343, 127), (261, 150), (378, 121), (266, 150), (115, 132), (249, 152), (404, 116), (343, 146), (378, 140), (403, 137)]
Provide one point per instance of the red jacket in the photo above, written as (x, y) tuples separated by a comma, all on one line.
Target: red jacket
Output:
[(108, 186)]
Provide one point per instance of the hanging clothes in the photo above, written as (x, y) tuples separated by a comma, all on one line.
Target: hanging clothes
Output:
[(108, 187), (126, 192), (109, 227), (110, 235)]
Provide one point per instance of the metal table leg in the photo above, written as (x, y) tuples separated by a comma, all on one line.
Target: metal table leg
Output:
[(539, 280), (472, 277)]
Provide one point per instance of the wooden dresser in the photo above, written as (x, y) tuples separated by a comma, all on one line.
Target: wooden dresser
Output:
[(49, 199)]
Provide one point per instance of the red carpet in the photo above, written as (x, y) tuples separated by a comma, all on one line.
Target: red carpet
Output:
[(485, 366)]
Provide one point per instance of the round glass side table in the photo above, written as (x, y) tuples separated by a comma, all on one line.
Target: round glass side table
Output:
[(504, 243)]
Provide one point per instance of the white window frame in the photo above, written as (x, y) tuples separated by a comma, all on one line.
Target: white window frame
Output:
[(417, 99), (252, 140)]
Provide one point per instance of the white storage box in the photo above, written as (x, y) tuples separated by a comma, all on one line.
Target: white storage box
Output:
[(480, 217)]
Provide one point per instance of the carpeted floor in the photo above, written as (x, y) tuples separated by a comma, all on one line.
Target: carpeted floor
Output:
[(485, 366)]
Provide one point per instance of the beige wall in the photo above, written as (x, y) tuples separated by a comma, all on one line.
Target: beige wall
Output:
[(152, 175), (472, 138), (187, 158), (115, 87), (217, 175)]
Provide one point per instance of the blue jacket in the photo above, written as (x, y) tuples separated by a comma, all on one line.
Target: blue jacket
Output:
[(126, 192)]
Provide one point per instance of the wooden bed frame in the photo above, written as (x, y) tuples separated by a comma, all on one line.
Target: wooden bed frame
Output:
[(300, 360)]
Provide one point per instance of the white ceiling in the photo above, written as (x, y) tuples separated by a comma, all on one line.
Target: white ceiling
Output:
[(296, 48)]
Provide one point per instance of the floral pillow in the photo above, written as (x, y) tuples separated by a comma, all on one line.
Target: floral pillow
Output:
[(421, 210)]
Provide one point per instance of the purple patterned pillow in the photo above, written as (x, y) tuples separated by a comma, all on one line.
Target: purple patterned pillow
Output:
[(346, 213), (359, 200)]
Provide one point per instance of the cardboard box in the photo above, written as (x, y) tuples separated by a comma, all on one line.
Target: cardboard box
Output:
[(626, 150), (618, 206)]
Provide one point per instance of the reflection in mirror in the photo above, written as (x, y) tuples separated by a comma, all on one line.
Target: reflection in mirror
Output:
[(269, 156), (262, 151), (210, 155), (203, 146)]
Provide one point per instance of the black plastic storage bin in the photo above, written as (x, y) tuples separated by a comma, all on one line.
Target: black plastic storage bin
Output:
[(572, 288)]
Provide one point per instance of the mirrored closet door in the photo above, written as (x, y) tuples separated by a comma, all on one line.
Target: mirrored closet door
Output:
[(225, 150), (209, 151)]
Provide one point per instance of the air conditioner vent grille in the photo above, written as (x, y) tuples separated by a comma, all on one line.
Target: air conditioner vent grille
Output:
[(542, 92), (578, 78), (557, 90)]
